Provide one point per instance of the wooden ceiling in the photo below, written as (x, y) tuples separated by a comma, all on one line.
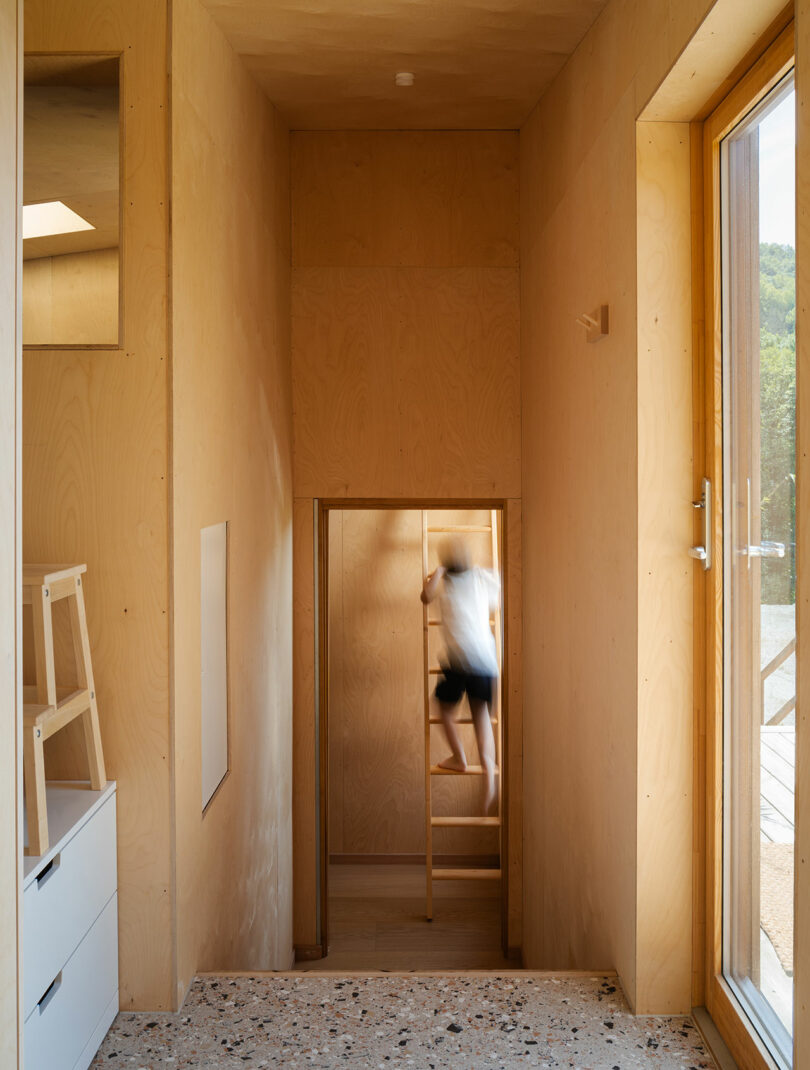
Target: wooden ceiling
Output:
[(71, 148), (330, 64)]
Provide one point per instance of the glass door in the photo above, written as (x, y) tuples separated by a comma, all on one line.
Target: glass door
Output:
[(757, 198)]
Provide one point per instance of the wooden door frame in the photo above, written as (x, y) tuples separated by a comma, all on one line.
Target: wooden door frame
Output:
[(774, 63), (11, 781), (324, 507)]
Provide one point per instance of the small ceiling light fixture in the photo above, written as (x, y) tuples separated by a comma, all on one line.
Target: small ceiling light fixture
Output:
[(404, 78), (51, 217)]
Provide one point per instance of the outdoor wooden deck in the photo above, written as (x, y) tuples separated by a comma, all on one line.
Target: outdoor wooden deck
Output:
[(778, 783)]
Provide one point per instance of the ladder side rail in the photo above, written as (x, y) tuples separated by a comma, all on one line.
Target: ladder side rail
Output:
[(498, 696), (426, 675)]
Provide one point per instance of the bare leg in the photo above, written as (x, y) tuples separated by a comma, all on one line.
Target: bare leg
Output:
[(458, 759), (486, 748)]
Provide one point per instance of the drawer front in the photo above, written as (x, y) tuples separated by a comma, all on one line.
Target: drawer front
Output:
[(64, 901), (61, 1023)]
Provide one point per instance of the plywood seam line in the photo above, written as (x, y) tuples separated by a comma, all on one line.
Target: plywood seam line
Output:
[(177, 996), (434, 873), (17, 538)]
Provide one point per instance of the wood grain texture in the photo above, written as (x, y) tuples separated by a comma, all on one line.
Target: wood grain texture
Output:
[(396, 367), (10, 543), (581, 528), (378, 922), (700, 76), (363, 199), (71, 299), (232, 436), (801, 955), (665, 573), (95, 471), (578, 218), (405, 315), (332, 64)]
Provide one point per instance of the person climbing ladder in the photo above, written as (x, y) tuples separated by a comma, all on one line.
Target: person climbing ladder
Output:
[(467, 596)]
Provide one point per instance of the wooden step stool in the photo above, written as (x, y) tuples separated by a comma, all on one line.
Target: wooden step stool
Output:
[(47, 708)]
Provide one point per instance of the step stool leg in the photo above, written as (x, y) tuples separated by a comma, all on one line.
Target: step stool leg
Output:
[(84, 673), (36, 807), (43, 645)]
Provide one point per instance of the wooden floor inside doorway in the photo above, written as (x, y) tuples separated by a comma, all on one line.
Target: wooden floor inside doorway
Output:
[(377, 922)]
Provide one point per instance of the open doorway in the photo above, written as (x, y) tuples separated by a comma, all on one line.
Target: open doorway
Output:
[(380, 663)]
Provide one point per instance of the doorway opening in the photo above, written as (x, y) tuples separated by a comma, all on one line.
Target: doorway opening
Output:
[(386, 809)]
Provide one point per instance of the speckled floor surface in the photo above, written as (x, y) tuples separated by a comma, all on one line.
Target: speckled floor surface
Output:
[(425, 1022)]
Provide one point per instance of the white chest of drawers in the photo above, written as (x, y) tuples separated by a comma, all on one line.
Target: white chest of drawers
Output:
[(70, 932)]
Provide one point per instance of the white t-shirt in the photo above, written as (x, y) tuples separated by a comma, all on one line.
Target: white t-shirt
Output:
[(466, 602)]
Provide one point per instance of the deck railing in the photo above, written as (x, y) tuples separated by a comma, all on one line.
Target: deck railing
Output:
[(770, 668)]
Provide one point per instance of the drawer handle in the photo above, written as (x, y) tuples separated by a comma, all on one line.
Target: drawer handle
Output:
[(49, 870), (49, 993)]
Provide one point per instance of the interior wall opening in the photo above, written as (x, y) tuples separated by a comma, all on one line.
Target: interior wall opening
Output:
[(385, 810)]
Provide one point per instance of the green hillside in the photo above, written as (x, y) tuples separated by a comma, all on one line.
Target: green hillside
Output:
[(777, 313)]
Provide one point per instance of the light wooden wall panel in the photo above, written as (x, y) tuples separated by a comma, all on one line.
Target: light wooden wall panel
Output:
[(10, 543), (405, 314), (95, 479), (590, 719), (405, 296), (376, 698), (665, 574), (232, 439), (405, 381), (364, 199), (71, 299)]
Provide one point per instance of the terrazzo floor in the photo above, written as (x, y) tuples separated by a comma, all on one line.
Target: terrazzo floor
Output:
[(425, 1022)]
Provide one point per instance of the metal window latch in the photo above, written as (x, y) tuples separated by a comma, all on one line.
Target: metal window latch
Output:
[(703, 553)]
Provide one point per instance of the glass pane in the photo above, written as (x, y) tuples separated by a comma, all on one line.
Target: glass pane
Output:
[(759, 387), (71, 201)]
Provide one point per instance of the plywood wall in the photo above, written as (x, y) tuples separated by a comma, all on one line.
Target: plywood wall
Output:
[(604, 589), (405, 342), (405, 314), (666, 575), (71, 299), (95, 485), (232, 438), (376, 690), (10, 574)]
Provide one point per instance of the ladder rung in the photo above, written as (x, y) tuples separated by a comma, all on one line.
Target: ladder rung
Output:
[(460, 527), (466, 874), (436, 719), (471, 770), (465, 822), (437, 623)]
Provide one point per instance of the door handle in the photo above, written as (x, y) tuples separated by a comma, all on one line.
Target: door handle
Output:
[(704, 552)]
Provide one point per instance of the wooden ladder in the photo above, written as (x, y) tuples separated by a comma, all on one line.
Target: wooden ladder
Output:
[(430, 670), (48, 708)]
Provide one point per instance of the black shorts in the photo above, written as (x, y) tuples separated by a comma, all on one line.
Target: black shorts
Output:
[(450, 689)]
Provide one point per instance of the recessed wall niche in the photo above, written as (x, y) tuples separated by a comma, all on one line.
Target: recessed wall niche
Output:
[(71, 202)]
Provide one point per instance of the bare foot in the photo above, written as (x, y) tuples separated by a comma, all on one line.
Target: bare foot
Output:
[(458, 765)]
